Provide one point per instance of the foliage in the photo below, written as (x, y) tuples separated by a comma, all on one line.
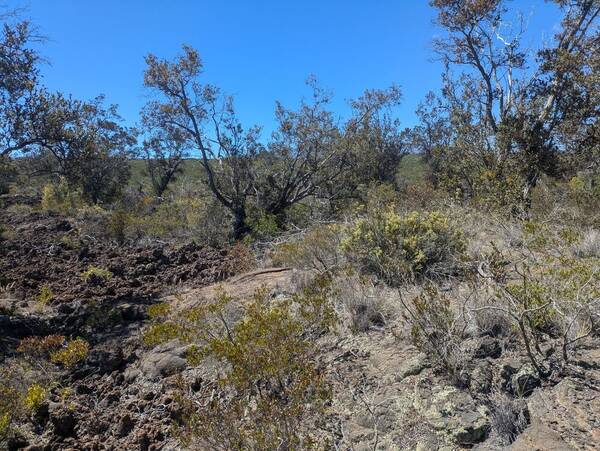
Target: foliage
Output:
[(45, 295), (35, 397), (317, 249), (398, 248), (72, 354), (55, 348), (60, 198), (270, 384), (95, 274)]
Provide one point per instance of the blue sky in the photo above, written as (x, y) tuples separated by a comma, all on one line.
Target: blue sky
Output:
[(259, 51)]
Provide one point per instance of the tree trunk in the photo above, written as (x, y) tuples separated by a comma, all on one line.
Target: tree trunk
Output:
[(240, 226)]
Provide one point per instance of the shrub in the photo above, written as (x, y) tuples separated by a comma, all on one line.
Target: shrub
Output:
[(35, 397), (271, 389), (73, 353), (263, 225), (117, 225), (397, 248), (41, 346), (59, 198), (45, 295), (317, 250), (436, 331), (95, 274)]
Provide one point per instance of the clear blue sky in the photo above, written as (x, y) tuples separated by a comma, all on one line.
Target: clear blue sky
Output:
[(257, 50)]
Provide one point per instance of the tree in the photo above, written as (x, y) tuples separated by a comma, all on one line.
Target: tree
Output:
[(203, 120), (517, 121), (19, 76), (85, 143), (303, 154), (376, 141), (164, 157)]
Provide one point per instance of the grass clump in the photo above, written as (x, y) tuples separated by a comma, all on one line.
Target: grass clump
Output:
[(398, 248)]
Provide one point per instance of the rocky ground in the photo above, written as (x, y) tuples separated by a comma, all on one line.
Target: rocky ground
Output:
[(387, 395)]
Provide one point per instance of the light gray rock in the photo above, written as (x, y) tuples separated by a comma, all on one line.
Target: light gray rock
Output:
[(164, 360), (412, 367), (454, 413)]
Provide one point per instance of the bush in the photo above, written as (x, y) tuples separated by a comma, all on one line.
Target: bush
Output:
[(271, 389), (59, 198), (400, 248), (45, 295), (72, 354), (436, 331), (317, 250), (35, 397)]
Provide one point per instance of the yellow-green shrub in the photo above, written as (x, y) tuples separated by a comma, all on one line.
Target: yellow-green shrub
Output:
[(271, 389), (45, 295), (94, 273), (396, 248), (60, 198), (73, 353), (35, 397)]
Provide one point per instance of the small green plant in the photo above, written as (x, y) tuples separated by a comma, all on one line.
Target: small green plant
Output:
[(96, 274), (45, 295), (397, 248), (60, 198), (35, 397), (73, 353)]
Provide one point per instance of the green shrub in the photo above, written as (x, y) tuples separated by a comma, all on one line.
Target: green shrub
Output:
[(271, 389), (35, 397), (398, 248), (60, 198), (263, 225), (73, 353), (45, 295)]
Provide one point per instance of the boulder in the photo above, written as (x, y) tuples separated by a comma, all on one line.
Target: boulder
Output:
[(412, 367), (524, 381), (453, 413), (164, 360)]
